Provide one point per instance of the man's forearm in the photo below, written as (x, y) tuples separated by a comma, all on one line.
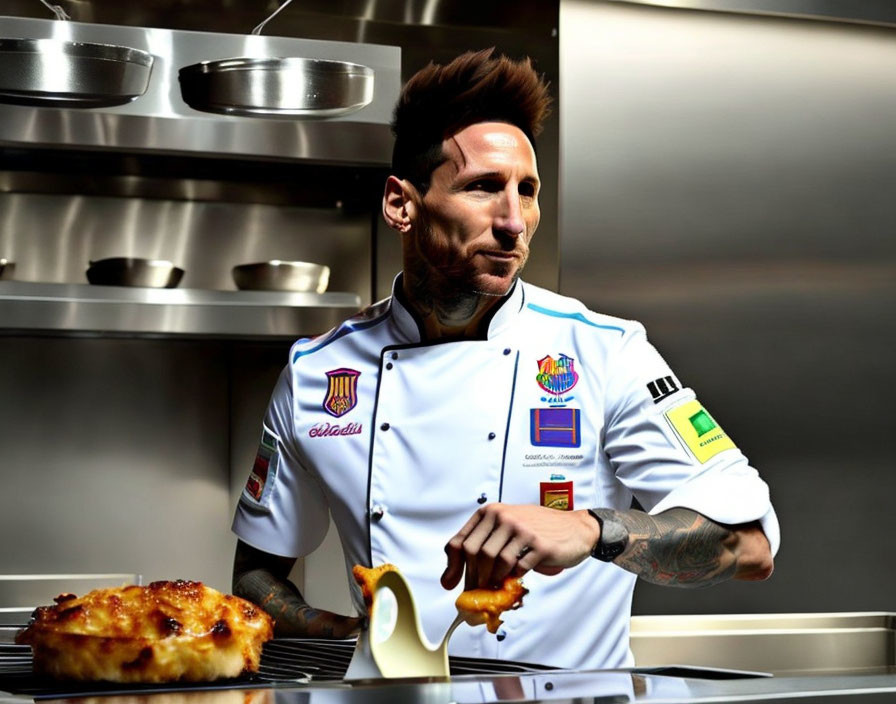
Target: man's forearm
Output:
[(261, 578), (683, 548), (293, 617)]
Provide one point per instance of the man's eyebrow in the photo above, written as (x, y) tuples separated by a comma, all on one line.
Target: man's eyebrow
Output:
[(476, 176)]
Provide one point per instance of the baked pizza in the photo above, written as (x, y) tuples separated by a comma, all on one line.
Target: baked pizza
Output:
[(162, 632), (479, 606)]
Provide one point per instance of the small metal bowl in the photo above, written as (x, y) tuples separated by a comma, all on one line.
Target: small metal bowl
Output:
[(277, 275), (131, 271), (6, 268)]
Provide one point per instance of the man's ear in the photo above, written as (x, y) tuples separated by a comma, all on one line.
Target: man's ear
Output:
[(398, 204)]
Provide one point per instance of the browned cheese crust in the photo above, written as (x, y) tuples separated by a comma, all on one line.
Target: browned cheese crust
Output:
[(479, 606), (367, 577), (162, 632)]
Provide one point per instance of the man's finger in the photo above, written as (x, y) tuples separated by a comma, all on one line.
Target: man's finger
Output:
[(492, 562), (455, 569), (457, 550)]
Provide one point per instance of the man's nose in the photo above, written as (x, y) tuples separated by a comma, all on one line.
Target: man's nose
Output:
[(509, 216)]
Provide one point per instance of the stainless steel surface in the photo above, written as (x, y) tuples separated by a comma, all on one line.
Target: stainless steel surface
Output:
[(508, 683), (147, 124), (116, 451), (728, 182), (277, 275), (151, 311), (52, 236), (863, 11), (782, 644), (6, 268), (133, 271), (282, 87), (52, 72)]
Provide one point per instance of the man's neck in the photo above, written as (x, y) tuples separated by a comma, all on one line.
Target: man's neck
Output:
[(460, 317)]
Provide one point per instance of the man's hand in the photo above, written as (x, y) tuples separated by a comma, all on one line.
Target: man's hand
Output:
[(262, 579), (500, 539)]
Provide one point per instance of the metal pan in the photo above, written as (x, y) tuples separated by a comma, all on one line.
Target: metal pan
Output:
[(278, 275), (278, 87), (131, 271), (56, 73)]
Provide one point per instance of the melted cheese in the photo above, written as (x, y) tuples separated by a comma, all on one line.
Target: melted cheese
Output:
[(479, 606)]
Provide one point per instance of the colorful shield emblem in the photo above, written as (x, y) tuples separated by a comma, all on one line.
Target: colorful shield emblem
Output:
[(556, 376), (342, 391)]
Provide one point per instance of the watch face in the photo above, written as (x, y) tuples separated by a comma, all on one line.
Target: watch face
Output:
[(613, 532), (613, 538)]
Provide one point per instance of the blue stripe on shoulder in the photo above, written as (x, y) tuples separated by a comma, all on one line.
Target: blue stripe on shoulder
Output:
[(344, 329), (574, 316)]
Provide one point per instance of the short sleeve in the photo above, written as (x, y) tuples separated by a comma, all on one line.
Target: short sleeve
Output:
[(282, 508), (669, 451)]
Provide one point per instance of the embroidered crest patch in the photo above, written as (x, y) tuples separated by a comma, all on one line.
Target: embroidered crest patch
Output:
[(555, 427), (342, 391), (698, 430), (556, 495), (556, 376), (264, 470)]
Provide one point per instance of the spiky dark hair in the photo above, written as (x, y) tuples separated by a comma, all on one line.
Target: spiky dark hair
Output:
[(440, 100)]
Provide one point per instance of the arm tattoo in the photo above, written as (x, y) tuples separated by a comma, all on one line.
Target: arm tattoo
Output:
[(678, 547), (262, 579)]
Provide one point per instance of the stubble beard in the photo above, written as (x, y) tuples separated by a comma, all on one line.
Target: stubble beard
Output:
[(450, 293)]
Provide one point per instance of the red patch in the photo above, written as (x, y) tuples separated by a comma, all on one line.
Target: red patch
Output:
[(556, 495)]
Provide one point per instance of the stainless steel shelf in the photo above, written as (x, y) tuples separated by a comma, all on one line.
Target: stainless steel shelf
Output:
[(161, 122), (139, 312)]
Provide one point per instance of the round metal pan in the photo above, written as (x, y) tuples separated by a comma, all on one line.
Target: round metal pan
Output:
[(278, 275), (57, 73), (133, 271), (278, 87)]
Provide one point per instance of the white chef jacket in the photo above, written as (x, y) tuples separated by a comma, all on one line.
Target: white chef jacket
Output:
[(402, 440)]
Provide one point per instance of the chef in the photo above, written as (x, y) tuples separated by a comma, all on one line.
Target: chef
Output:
[(475, 415)]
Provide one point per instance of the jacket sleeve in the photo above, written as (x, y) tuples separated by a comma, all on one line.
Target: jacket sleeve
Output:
[(669, 451), (282, 509)]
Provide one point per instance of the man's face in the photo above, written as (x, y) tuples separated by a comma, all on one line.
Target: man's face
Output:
[(480, 212)]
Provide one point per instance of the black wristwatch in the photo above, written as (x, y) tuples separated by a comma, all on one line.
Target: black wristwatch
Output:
[(613, 537)]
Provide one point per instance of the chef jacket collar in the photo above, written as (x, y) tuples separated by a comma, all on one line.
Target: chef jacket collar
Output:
[(501, 316)]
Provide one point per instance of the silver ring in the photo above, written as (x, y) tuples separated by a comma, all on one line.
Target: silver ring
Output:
[(525, 550)]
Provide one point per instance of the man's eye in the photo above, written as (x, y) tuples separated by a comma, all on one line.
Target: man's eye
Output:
[(527, 190), (484, 185)]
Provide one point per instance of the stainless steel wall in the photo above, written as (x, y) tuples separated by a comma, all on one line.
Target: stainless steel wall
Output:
[(728, 180), (114, 458)]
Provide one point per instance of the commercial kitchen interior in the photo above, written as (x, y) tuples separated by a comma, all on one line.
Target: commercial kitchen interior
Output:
[(723, 176)]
